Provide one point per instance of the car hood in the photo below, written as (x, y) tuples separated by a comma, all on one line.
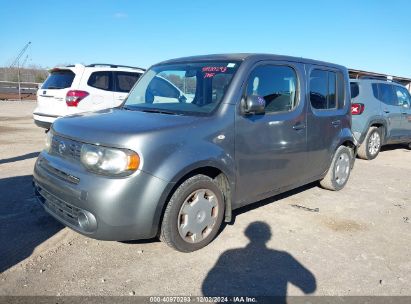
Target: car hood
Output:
[(116, 127)]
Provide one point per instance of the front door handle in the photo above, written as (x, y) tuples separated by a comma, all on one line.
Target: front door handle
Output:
[(386, 111), (299, 126), (336, 123)]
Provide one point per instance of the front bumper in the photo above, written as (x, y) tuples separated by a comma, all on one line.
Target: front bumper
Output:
[(100, 207)]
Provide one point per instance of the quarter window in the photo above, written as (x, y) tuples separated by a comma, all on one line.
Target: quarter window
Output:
[(276, 84), (323, 86), (355, 89), (100, 80)]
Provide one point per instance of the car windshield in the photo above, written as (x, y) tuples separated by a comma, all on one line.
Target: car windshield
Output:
[(194, 88)]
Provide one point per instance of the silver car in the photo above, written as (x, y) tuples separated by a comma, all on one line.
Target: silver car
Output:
[(195, 139)]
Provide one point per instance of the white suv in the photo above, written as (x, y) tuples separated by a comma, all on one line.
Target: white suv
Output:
[(77, 88)]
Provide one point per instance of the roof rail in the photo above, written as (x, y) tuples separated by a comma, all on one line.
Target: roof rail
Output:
[(114, 66), (374, 77), (381, 78)]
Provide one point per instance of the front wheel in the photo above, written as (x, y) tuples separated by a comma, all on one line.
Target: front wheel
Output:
[(339, 171), (193, 215)]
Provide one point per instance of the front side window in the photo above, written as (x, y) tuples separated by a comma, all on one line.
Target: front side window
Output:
[(403, 96), (59, 79), (100, 80), (194, 88), (276, 84), (323, 89)]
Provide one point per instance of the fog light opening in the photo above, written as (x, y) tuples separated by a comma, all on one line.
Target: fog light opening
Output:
[(83, 221), (86, 221)]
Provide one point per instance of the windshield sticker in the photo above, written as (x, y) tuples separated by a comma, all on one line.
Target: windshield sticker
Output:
[(221, 69), (209, 75), (230, 65)]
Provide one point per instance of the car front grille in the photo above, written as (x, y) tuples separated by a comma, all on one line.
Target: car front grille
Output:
[(65, 148), (61, 209)]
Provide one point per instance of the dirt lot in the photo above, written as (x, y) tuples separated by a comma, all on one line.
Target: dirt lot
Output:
[(358, 243)]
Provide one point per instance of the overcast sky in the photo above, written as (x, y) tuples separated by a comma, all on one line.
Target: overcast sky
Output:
[(373, 35)]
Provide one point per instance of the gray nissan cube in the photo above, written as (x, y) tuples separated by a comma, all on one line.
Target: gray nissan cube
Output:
[(196, 138)]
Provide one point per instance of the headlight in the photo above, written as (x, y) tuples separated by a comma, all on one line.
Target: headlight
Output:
[(49, 139), (109, 160)]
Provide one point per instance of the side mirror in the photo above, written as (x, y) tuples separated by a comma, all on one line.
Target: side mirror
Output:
[(406, 105), (182, 98), (254, 104)]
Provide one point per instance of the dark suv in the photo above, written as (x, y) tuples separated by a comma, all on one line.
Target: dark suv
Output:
[(381, 115), (196, 138)]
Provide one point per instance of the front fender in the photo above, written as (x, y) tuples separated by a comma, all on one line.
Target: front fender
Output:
[(180, 163)]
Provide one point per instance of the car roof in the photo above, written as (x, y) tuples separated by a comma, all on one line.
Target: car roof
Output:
[(247, 56)]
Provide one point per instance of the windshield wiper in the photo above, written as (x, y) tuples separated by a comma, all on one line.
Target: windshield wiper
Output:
[(158, 111)]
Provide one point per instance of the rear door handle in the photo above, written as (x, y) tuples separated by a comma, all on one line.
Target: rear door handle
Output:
[(386, 111), (336, 123), (299, 126)]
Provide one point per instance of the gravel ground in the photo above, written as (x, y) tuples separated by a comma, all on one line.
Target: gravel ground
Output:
[(356, 243)]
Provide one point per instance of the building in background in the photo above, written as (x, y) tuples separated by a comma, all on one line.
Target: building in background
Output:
[(356, 74)]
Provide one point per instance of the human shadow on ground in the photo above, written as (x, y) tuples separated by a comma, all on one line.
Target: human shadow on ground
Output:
[(24, 223), (257, 270)]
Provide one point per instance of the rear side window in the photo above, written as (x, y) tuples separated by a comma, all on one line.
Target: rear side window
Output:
[(276, 84), (125, 81), (386, 94), (100, 80), (323, 89), (61, 79), (355, 89)]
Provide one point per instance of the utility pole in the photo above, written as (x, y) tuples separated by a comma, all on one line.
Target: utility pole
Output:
[(17, 62)]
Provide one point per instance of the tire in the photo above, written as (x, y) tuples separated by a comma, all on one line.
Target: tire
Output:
[(339, 171), (198, 201), (371, 145)]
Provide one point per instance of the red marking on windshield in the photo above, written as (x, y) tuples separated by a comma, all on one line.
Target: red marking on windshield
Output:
[(220, 69), (209, 75)]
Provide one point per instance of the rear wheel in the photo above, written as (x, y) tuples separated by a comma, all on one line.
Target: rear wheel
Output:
[(193, 215), (371, 145), (339, 171)]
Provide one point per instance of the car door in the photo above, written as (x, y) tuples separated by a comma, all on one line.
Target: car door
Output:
[(404, 102), (391, 111), (124, 82), (100, 89), (325, 114), (270, 148)]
